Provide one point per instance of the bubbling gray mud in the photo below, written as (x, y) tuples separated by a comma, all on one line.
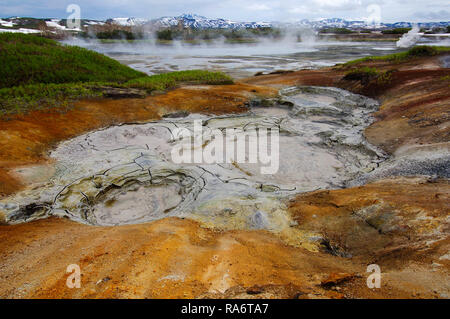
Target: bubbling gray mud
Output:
[(125, 175)]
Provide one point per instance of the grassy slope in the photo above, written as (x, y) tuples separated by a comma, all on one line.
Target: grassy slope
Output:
[(28, 59), (417, 51), (368, 74), (170, 80), (41, 73)]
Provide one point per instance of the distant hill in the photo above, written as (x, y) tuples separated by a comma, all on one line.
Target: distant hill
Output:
[(57, 26)]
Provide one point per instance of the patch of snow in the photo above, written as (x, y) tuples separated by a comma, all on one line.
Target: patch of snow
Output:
[(7, 24), (55, 24), (128, 21), (94, 22), (21, 30)]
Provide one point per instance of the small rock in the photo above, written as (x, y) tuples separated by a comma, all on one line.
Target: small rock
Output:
[(269, 188), (336, 278), (255, 290), (228, 211), (436, 265), (120, 93), (444, 257), (293, 223), (178, 114), (106, 279)]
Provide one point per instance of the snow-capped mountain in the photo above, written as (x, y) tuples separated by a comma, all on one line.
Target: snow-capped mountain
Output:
[(127, 21), (197, 21), (201, 22), (336, 23), (332, 23)]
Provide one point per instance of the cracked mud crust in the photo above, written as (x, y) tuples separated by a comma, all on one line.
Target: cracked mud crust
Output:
[(125, 174), (19, 147)]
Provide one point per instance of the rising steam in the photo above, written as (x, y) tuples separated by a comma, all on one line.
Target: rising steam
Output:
[(410, 38)]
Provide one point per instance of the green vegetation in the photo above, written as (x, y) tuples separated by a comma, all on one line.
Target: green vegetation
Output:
[(360, 73), (27, 23), (436, 30), (118, 35), (385, 78), (28, 59), (232, 36), (39, 73), (337, 31), (20, 99), (368, 75), (165, 35), (161, 82), (396, 31), (365, 75), (417, 51), (190, 35)]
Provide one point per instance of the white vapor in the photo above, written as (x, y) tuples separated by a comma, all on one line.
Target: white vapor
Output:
[(410, 38)]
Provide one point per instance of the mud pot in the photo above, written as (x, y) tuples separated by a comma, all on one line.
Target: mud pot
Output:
[(125, 174)]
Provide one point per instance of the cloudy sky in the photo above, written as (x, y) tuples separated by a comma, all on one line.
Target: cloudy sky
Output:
[(241, 10)]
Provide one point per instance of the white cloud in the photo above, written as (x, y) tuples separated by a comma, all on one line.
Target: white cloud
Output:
[(301, 10), (258, 7), (437, 15), (337, 3)]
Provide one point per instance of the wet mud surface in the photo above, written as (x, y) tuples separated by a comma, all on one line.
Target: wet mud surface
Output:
[(126, 174)]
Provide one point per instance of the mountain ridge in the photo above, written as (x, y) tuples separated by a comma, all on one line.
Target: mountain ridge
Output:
[(190, 20), (198, 21)]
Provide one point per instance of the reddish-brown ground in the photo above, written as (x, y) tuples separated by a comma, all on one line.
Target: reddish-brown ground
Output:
[(170, 258), (177, 258), (380, 220), (414, 111)]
